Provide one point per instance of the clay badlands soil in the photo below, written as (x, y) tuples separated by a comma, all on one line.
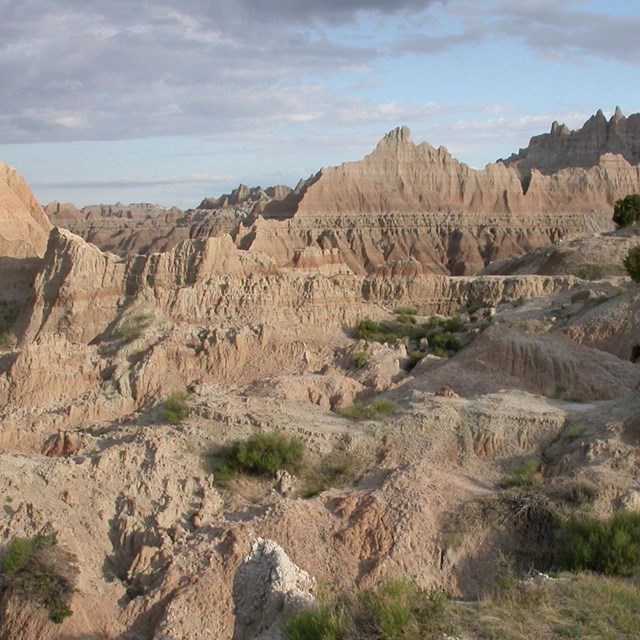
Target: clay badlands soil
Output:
[(250, 302)]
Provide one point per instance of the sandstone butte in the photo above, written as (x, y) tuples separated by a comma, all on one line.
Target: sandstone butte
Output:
[(251, 303), (403, 201)]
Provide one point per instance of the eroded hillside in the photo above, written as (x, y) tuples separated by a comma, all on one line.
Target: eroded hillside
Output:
[(431, 417)]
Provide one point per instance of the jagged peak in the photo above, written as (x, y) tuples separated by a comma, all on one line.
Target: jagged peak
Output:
[(618, 115), (399, 134)]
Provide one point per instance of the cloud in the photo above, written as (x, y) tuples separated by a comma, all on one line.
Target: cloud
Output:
[(563, 32), (135, 182), (78, 70), (88, 70)]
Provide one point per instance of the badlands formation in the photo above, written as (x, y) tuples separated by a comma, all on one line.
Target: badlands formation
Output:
[(518, 341)]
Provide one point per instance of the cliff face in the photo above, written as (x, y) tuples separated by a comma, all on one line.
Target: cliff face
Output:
[(563, 148), (24, 227), (408, 201)]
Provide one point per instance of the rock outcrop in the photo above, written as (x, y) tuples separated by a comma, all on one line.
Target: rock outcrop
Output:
[(24, 227), (267, 588), (413, 201), (562, 148), (24, 230)]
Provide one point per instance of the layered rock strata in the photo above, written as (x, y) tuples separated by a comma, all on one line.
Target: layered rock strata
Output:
[(415, 201)]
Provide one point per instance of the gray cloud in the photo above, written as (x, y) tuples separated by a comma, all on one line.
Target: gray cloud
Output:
[(89, 70), (73, 70), (565, 32)]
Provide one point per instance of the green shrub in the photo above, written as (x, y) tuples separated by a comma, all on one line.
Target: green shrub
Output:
[(446, 341), (395, 610), (406, 319), (632, 263), (41, 573), (373, 331), (261, 454), (405, 311), (453, 325), (435, 321), (175, 408), (377, 410), (360, 359), (611, 547), (526, 476), (627, 210), (414, 358), (133, 328)]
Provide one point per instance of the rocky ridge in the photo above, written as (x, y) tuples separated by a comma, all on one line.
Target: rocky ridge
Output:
[(414, 201)]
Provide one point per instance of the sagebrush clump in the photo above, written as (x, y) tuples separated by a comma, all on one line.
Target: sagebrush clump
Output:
[(175, 408), (611, 547), (632, 263), (261, 454), (38, 571), (627, 210), (377, 410)]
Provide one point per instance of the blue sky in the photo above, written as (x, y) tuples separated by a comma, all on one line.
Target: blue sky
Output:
[(168, 102)]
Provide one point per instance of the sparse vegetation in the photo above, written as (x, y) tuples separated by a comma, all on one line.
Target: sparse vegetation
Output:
[(41, 573), (335, 469), (360, 359), (395, 610), (445, 336), (611, 547), (261, 454), (377, 410), (585, 606), (591, 271), (627, 210), (445, 342), (527, 476), (574, 432), (582, 492), (632, 264), (8, 318), (175, 408), (405, 311), (588, 607), (414, 358), (133, 327)]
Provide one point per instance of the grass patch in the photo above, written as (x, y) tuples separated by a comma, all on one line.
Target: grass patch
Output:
[(377, 410), (611, 547), (360, 359), (405, 311), (527, 476), (133, 328), (592, 271), (336, 469), (381, 332), (414, 358), (445, 342), (261, 454), (395, 610), (588, 607), (175, 408), (41, 573)]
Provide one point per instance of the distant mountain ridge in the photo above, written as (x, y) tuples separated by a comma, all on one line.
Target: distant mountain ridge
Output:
[(562, 148), (410, 202)]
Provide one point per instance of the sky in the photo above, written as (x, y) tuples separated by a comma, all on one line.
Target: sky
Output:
[(168, 102)]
